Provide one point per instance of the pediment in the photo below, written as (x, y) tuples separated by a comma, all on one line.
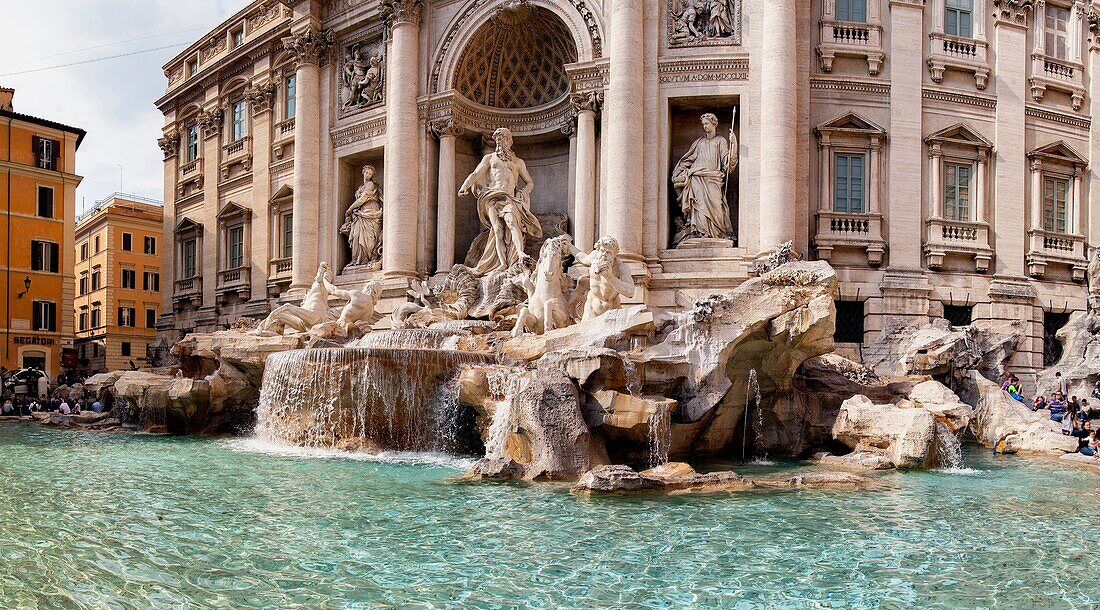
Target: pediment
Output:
[(851, 122), (232, 210), (1058, 151), (960, 134), (285, 191), (186, 224)]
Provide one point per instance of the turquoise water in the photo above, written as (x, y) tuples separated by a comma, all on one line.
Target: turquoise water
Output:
[(93, 520)]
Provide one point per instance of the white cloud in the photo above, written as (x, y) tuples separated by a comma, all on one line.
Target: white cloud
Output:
[(112, 100)]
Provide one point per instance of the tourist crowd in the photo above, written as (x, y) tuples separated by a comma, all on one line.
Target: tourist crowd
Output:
[(1074, 415), (15, 406)]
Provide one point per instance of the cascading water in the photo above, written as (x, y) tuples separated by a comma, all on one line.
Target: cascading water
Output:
[(505, 383), (660, 437), (752, 392), (413, 338), (374, 397), (948, 448)]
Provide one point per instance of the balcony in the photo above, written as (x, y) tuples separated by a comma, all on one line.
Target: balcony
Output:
[(1058, 74), (190, 170), (837, 230), (235, 281), (236, 153), (851, 39), (188, 290), (279, 275), (956, 53), (284, 129), (957, 237), (1050, 248)]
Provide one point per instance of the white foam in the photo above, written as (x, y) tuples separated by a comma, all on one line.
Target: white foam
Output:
[(254, 444), (763, 462), (962, 471)]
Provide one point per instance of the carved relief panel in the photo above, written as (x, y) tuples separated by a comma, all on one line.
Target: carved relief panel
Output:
[(362, 72), (701, 23)]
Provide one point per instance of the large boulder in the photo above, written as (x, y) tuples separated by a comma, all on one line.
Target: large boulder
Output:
[(1006, 425), (1080, 361), (938, 399), (903, 433), (201, 353), (613, 329), (162, 403), (939, 349)]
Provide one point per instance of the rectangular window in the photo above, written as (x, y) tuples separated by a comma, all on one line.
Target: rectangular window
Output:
[(45, 202), (289, 97), (958, 315), (235, 247), (848, 188), (129, 279), (956, 191), (1055, 193), (959, 18), (96, 280), (95, 318), (45, 315), (46, 152), (151, 281), (44, 256), (849, 322), (238, 120), (126, 316), (84, 283), (150, 318), (150, 244), (127, 242), (192, 143), (84, 251), (189, 247), (96, 244), (1057, 31), (851, 10), (125, 348), (288, 235), (238, 37), (192, 67), (83, 320)]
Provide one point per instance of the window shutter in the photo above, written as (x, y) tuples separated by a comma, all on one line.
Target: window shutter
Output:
[(36, 255)]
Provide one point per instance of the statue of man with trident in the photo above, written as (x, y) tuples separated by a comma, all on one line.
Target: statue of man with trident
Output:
[(700, 179)]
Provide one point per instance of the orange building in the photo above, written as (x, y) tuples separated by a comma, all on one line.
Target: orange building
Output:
[(118, 292), (38, 193)]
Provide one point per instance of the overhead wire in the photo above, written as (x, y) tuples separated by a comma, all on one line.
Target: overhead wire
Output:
[(106, 44), (97, 59)]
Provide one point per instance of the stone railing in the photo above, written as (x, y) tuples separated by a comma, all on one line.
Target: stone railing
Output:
[(851, 39), (284, 129), (280, 268), (1047, 248), (1058, 74), (236, 279), (957, 237), (957, 53), (836, 231), (238, 148), (188, 289), (194, 167)]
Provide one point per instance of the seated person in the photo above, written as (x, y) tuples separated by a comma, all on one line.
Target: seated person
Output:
[(1007, 382), (1014, 389), (1057, 406), (1039, 403), (1086, 409), (1096, 390), (1092, 447), (1073, 405)]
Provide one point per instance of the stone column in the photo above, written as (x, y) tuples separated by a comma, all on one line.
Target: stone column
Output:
[(212, 125), (1091, 229), (1036, 195), (447, 189), (624, 137), (980, 194), (779, 113), (170, 146), (1078, 197), (402, 166), (309, 48), (261, 98), (584, 207), (904, 179), (935, 167), (429, 206)]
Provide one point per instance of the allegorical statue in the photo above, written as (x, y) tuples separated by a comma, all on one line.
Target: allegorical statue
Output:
[(1094, 272), (363, 223), (503, 205), (362, 79), (547, 304), (699, 20), (609, 278), (700, 182), (314, 309)]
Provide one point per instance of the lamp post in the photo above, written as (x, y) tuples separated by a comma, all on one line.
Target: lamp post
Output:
[(26, 287)]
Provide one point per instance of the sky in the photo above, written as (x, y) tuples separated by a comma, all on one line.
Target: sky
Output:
[(113, 100)]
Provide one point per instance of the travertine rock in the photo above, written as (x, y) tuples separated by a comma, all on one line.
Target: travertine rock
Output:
[(1080, 361), (200, 353), (903, 433), (1006, 425), (612, 329), (939, 348), (943, 403)]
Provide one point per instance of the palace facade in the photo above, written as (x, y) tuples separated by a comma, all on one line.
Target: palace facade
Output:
[(937, 153)]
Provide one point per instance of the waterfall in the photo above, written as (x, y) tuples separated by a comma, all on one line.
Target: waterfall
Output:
[(633, 377), (505, 383), (752, 391), (359, 397), (660, 437), (948, 448), (412, 338)]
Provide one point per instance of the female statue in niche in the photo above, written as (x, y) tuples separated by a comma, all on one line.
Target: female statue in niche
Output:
[(700, 182), (363, 223)]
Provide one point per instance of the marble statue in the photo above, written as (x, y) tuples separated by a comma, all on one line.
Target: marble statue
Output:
[(699, 21), (609, 278), (362, 79), (363, 223), (314, 309), (1094, 272), (547, 304), (503, 206), (700, 181), (359, 307)]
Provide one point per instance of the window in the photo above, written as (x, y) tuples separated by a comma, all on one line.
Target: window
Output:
[(96, 244), (288, 235), (96, 279), (125, 348), (95, 318), (150, 318), (126, 316), (1055, 192), (46, 152), (192, 67), (848, 190), (238, 37), (849, 322), (129, 279), (127, 242), (45, 315), (151, 281), (83, 283), (956, 191), (1057, 31), (189, 247), (289, 97), (235, 247), (958, 315), (1052, 347), (192, 143), (45, 202), (44, 256), (959, 18), (84, 251), (238, 120), (851, 10), (150, 244), (83, 320)]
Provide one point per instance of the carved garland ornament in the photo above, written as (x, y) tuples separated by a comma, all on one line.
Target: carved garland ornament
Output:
[(309, 47), (1013, 11)]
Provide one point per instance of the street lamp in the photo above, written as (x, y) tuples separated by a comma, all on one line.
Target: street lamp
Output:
[(26, 287)]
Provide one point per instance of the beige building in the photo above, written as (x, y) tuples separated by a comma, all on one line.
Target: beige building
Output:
[(119, 248), (936, 152)]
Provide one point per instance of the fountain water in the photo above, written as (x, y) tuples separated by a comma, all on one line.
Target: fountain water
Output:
[(948, 448), (412, 338), (660, 437), (505, 383), (752, 392)]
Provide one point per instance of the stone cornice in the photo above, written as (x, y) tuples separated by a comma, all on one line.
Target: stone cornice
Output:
[(824, 83), (360, 131), (1012, 12), (954, 97), (309, 46), (1058, 117)]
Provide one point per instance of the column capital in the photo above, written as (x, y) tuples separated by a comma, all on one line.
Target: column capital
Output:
[(568, 126), (210, 121), (590, 101), (396, 12), (169, 144), (309, 46), (260, 97), (1013, 12), (445, 127)]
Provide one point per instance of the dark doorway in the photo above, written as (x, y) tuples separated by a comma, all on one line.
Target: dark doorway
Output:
[(1052, 347), (958, 315), (849, 322)]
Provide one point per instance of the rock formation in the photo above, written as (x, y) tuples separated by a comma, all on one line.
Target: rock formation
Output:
[(941, 349), (1006, 425), (1080, 361)]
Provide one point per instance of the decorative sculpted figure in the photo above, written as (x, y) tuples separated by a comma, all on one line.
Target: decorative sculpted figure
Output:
[(547, 305), (1094, 273), (313, 310), (359, 307), (503, 206), (700, 181), (608, 277), (362, 78), (694, 22), (363, 223)]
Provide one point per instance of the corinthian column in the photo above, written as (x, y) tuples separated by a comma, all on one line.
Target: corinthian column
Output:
[(402, 160), (779, 113), (584, 210), (624, 126), (310, 48), (448, 132)]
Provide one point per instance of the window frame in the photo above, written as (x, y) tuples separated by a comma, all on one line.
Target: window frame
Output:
[(189, 259), (41, 188), (45, 256), (238, 120), (290, 92), (848, 16), (1052, 34), (958, 12), (149, 245), (952, 203), (40, 307), (193, 142), (850, 154), (127, 241), (1067, 200), (128, 273), (287, 220)]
